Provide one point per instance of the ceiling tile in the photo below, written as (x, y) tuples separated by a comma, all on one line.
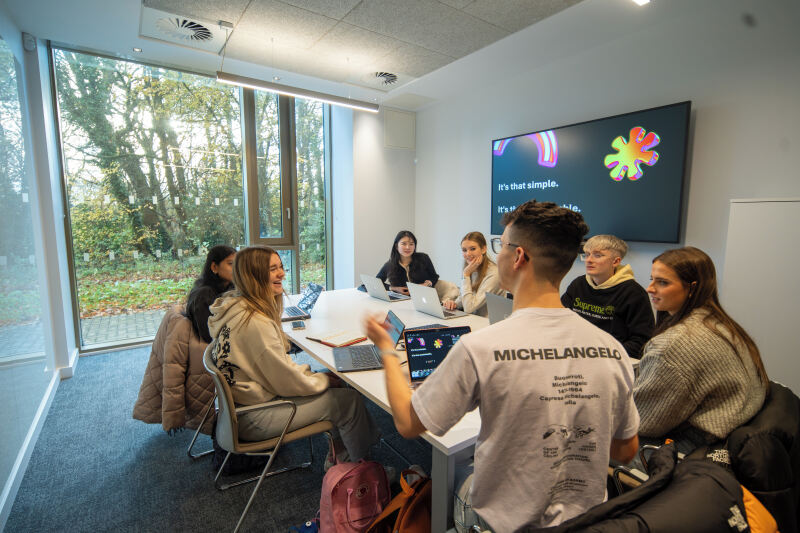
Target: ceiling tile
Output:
[(514, 15), (286, 59), (426, 23), (330, 8), (346, 43), (412, 60), (289, 26), (211, 10)]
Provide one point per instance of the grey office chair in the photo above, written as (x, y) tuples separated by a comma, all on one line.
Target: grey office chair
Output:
[(228, 429)]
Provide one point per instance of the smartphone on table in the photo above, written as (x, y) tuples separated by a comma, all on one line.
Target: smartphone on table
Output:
[(298, 324)]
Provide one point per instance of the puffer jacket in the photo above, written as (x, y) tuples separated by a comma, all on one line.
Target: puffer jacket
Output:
[(694, 495), (765, 456), (176, 389)]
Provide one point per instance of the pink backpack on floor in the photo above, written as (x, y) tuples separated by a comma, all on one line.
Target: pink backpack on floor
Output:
[(353, 496)]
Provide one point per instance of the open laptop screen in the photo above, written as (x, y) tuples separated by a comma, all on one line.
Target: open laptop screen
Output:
[(309, 296), (395, 327), (427, 348)]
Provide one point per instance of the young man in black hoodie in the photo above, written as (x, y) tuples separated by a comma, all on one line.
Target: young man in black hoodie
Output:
[(609, 297)]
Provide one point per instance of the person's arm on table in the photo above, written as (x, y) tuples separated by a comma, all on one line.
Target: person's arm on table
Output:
[(405, 418)]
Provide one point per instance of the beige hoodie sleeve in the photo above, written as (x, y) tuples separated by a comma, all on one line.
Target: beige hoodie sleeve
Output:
[(272, 367)]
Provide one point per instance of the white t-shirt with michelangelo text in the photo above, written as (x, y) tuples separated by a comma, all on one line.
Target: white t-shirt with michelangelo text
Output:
[(553, 391)]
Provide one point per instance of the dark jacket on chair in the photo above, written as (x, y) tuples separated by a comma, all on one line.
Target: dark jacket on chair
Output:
[(765, 456), (695, 495)]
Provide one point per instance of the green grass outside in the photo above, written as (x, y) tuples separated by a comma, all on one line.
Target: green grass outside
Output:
[(113, 288)]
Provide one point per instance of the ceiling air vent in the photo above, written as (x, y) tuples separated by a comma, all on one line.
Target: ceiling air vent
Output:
[(386, 78), (184, 29)]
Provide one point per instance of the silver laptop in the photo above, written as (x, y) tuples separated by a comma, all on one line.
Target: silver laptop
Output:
[(426, 300), (499, 307), (367, 356), (302, 310), (376, 289)]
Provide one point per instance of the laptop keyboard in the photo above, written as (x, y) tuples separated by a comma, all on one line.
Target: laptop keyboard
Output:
[(364, 356), (294, 311), (426, 326)]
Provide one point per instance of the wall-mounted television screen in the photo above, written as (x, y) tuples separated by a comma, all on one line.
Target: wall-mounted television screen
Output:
[(624, 174)]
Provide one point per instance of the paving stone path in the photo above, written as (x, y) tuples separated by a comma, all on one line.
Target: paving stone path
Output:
[(27, 339)]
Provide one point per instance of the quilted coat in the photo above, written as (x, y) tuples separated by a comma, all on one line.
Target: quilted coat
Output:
[(176, 389), (694, 496), (765, 456)]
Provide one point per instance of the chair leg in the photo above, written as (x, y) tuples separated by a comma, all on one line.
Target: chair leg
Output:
[(194, 456), (305, 464), (272, 455), (255, 490)]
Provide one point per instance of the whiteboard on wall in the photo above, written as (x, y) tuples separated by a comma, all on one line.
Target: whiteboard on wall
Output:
[(761, 286)]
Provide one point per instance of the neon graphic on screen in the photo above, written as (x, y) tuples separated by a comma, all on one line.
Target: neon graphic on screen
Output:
[(545, 142), (631, 155)]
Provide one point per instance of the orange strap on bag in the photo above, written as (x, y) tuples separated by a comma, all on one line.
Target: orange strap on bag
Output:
[(758, 518), (412, 506)]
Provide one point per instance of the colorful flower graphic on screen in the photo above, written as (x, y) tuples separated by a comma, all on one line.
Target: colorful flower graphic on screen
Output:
[(631, 155), (438, 343), (545, 142)]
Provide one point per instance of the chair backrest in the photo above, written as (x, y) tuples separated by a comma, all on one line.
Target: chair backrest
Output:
[(227, 423), (446, 290)]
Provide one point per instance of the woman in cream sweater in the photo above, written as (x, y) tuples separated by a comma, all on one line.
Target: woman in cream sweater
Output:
[(479, 276), (250, 350)]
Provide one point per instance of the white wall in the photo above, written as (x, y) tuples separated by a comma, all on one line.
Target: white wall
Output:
[(766, 309), (383, 183), (743, 81)]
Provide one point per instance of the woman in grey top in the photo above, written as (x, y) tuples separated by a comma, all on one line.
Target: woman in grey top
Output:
[(701, 375)]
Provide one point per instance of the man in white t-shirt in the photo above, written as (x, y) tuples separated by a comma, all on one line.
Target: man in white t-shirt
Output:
[(554, 391)]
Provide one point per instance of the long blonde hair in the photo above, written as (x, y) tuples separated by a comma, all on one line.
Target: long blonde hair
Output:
[(477, 237), (251, 277)]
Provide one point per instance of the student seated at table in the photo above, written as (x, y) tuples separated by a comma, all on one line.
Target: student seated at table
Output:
[(251, 349), (609, 297), (701, 375), (554, 391), (479, 276), (407, 264), (215, 279)]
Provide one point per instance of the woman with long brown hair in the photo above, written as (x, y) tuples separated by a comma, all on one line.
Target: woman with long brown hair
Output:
[(701, 375), (479, 276), (250, 351)]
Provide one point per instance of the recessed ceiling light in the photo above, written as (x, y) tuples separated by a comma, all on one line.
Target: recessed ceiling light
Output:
[(641, 2), (137, 50), (276, 78)]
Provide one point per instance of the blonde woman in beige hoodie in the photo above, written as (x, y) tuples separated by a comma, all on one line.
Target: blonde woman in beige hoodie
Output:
[(250, 350)]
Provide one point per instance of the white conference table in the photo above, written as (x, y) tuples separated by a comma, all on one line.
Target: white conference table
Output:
[(344, 309)]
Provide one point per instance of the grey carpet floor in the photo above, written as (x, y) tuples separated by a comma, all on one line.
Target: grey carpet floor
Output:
[(94, 468)]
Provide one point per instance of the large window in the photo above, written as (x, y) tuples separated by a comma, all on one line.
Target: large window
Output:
[(311, 185), (155, 163), (24, 372)]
